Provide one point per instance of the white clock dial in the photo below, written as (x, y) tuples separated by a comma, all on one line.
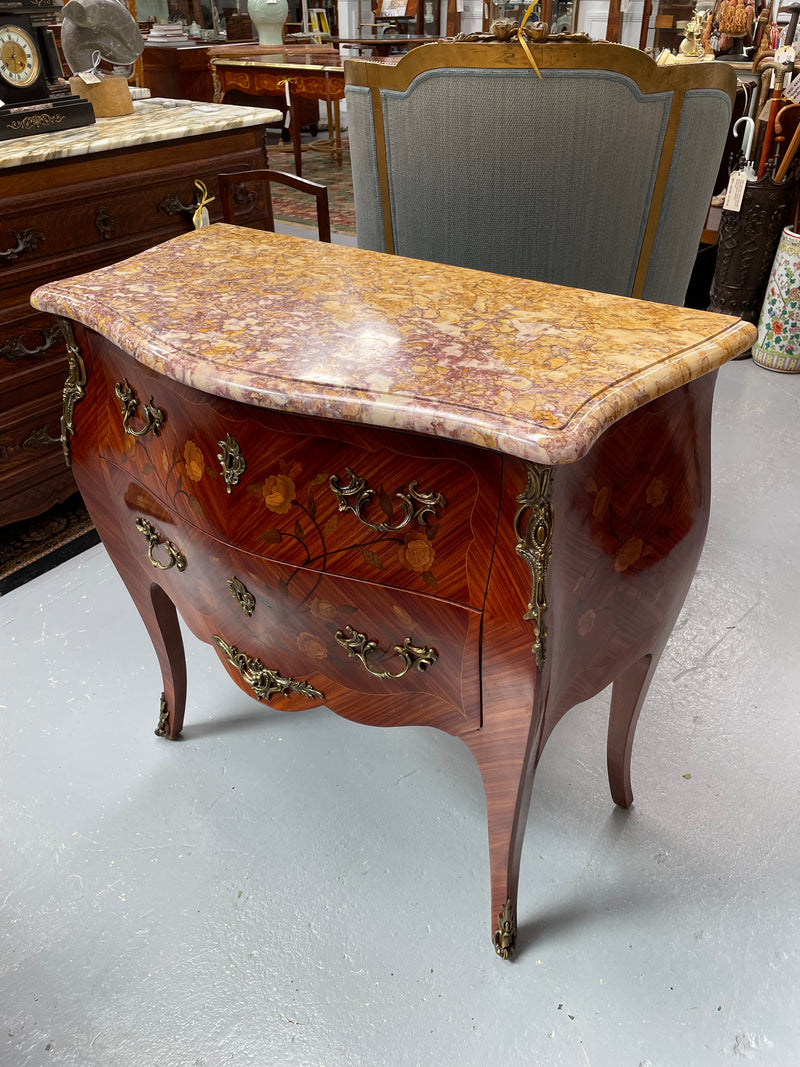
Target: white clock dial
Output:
[(19, 56)]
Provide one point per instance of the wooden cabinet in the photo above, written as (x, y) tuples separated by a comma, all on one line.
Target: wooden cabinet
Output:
[(64, 214), (400, 489), (180, 73)]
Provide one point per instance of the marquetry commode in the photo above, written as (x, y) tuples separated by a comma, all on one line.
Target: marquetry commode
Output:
[(414, 493)]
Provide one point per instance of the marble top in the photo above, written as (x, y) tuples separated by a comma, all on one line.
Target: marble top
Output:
[(533, 370), (152, 120)]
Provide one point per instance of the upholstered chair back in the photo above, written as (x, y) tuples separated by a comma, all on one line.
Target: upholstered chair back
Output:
[(596, 175)]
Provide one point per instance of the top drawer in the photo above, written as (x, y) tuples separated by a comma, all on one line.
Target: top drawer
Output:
[(365, 503), (97, 217)]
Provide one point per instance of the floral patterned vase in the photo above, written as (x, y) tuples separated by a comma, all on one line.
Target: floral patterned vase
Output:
[(778, 344)]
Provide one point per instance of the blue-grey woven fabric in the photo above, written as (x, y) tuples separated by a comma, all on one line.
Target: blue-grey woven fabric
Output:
[(546, 178)]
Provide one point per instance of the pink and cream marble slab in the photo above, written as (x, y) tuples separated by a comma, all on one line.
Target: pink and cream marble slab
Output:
[(151, 121), (533, 370)]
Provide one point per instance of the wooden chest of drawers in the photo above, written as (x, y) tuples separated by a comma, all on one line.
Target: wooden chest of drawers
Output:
[(69, 204), (414, 493)]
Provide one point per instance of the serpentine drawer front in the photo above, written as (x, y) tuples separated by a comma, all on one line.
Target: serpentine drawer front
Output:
[(381, 507), (413, 493)]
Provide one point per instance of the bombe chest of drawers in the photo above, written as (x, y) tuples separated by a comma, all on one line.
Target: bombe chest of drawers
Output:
[(414, 493)]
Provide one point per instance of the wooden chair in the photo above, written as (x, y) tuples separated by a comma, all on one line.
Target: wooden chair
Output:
[(596, 175), (233, 183)]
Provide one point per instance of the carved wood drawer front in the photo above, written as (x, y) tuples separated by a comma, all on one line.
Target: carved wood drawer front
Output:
[(144, 209), (356, 644), (368, 504)]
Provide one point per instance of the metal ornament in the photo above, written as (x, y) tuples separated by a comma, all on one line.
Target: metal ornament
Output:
[(359, 646), (264, 681), (163, 718), (15, 348), (535, 545), (232, 461), (26, 240), (416, 505), (242, 595), (176, 557), (154, 418), (74, 388), (505, 936)]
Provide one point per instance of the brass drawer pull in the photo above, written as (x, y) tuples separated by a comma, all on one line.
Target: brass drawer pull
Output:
[(264, 681), (40, 438), (15, 348), (154, 418), (172, 205), (176, 557), (416, 504), (27, 240), (358, 646)]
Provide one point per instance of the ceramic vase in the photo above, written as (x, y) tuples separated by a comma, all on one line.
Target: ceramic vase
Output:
[(778, 344), (268, 17)]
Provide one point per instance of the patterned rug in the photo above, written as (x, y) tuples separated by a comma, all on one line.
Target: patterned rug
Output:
[(31, 547), (300, 209)]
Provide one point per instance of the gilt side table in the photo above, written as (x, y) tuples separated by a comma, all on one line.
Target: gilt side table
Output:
[(414, 493)]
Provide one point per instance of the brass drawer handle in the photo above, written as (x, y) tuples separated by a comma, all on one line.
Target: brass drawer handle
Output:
[(416, 504), (153, 417), (359, 646), (176, 557), (264, 681), (173, 205), (40, 438), (27, 240), (15, 348)]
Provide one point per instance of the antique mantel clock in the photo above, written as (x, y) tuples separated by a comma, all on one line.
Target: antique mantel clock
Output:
[(33, 96)]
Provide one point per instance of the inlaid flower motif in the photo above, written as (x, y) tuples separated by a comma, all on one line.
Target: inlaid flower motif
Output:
[(310, 645), (279, 493), (656, 493), (416, 553), (194, 461), (323, 609), (629, 554)]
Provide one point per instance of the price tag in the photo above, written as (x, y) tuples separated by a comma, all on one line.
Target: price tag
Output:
[(88, 77), (737, 183)]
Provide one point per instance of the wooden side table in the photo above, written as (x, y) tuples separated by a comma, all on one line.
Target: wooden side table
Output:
[(414, 493), (299, 78)]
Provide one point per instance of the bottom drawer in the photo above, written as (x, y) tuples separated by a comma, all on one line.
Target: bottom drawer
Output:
[(375, 654)]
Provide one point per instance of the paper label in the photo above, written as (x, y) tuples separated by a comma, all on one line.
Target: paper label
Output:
[(88, 77), (737, 183), (200, 218)]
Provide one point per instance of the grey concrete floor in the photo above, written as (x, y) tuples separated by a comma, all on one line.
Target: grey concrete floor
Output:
[(298, 890)]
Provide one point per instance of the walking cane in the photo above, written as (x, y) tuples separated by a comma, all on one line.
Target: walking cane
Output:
[(781, 70)]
